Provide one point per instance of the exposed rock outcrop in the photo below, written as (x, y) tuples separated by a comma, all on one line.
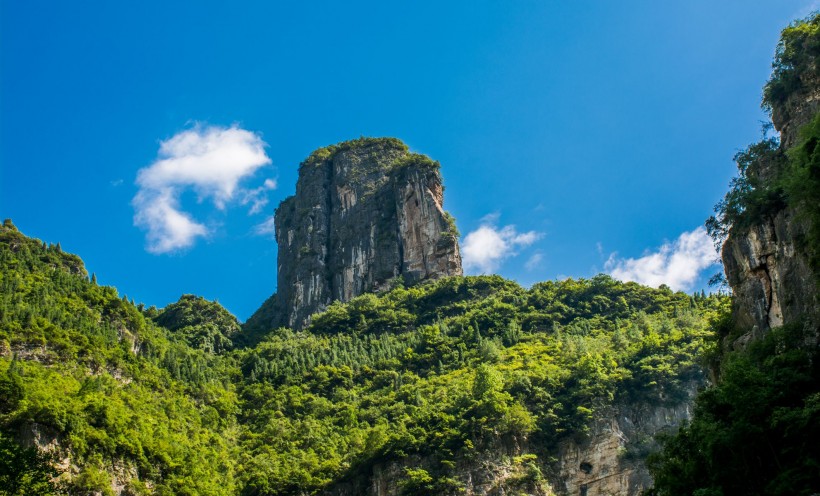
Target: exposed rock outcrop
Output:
[(798, 109), (612, 460), (770, 275), (366, 213), (502, 468), (767, 264), (609, 461)]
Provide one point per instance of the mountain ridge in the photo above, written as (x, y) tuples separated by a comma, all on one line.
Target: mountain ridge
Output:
[(426, 379)]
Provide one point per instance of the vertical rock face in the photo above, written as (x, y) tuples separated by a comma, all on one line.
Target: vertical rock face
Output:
[(611, 461), (798, 109), (767, 264), (770, 276), (365, 213)]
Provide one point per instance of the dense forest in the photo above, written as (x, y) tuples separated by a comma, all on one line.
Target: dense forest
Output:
[(176, 402)]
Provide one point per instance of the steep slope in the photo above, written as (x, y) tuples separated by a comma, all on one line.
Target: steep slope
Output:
[(366, 213), (757, 432), (770, 216), (460, 385), (117, 403), (474, 385)]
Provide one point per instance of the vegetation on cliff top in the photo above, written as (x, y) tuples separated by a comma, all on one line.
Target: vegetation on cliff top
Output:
[(443, 370), (769, 177), (795, 62), (323, 154), (769, 180)]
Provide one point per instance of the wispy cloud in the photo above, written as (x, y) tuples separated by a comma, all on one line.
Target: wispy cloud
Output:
[(211, 161), (485, 248), (258, 197), (676, 264), (266, 228), (534, 262)]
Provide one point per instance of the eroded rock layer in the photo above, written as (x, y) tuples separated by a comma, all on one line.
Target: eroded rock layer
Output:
[(768, 263), (366, 213)]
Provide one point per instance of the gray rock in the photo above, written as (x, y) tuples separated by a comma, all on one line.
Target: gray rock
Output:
[(767, 264), (770, 275), (366, 213)]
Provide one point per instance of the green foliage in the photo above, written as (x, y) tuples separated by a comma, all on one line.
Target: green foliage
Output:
[(416, 160), (11, 389), (452, 229), (86, 365), (438, 371), (757, 432), (769, 177), (442, 367), (203, 324), (802, 185), (25, 471), (795, 60), (770, 180), (326, 153), (753, 194), (419, 482)]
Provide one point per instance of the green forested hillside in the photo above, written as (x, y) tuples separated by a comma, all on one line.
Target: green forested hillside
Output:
[(84, 365), (442, 370)]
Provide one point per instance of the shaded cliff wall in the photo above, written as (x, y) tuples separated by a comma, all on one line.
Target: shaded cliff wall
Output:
[(770, 275), (365, 213)]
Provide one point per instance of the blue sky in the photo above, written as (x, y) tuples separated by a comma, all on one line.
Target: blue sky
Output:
[(574, 137)]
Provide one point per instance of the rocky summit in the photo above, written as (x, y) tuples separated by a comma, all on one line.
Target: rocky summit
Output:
[(367, 214)]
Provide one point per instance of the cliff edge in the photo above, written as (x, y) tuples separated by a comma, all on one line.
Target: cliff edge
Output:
[(770, 253), (366, 214)]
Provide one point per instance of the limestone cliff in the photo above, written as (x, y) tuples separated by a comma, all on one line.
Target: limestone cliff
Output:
[(770, 275), (768, 263), (610, 460), (366, 213)]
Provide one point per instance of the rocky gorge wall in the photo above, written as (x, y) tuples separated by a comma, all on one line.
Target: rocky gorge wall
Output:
[(608, 461), (767, 264), (611, 461), (365, 214), (770, 276)]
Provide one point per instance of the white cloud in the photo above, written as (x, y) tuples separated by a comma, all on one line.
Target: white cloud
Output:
[(210, 160), (258, 197), (485, 248), (266, 228), (169, 228), (676, 264)]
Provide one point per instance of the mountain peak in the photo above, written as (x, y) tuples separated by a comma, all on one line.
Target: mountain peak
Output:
[(366, 213)]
